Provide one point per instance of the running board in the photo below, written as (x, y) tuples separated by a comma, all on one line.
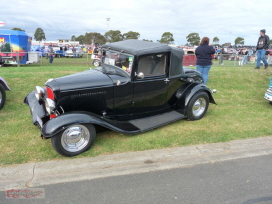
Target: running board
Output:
[(152, 122)]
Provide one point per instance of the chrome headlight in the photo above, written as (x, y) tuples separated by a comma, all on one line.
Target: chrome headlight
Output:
[(50, 106), (39, 93), (190, 80)]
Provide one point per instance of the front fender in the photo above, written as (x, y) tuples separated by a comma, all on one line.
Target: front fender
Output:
[(186, 92), (56, 125)]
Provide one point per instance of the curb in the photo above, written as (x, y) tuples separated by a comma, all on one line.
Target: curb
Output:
[(52, 172)]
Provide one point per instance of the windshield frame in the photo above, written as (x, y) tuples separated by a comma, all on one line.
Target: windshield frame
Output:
[(118, 59)]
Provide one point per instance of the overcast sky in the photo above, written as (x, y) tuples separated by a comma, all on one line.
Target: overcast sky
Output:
[(60, 19)]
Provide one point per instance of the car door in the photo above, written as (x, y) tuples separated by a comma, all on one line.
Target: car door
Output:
[(150, 85)]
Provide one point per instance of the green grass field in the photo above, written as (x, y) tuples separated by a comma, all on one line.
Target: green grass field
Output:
[(241, 113)]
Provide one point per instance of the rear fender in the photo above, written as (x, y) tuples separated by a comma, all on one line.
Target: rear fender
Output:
[(4, 83), (186, 92)]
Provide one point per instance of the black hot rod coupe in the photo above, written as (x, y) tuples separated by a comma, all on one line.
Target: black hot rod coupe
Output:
[(139, 86)]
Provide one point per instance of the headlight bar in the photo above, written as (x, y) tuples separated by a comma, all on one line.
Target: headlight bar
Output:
[(39, 93), (50, 106)]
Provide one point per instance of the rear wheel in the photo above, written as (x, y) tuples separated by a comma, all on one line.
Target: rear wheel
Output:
[(2, 96), (74, 140), (96, 63), (198, 106)]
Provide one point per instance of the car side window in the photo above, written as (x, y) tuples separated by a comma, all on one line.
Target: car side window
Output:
[(152, 64)]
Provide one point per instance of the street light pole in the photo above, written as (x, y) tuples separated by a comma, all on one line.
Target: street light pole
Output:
[(107, 19), (230, 38)]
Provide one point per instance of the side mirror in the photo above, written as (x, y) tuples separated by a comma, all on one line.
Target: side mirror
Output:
[(140, 75)]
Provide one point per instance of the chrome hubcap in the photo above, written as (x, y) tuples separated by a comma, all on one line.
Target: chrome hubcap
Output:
[(1, 97), (199, 107), (96, 63), (75, 138)]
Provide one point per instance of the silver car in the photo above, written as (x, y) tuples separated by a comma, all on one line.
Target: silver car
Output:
[(79, 52)]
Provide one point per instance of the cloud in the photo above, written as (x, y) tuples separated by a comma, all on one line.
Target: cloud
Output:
[(63, 18)]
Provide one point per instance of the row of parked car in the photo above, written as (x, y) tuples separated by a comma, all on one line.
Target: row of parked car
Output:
[(58, 51)]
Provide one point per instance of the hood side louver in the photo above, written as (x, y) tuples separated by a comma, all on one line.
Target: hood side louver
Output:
[(91, 102)]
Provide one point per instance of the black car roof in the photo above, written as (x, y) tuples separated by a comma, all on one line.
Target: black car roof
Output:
[(137, 47)]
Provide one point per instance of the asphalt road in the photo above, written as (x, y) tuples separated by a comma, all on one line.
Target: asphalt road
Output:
[(239, 181), (233, 172)]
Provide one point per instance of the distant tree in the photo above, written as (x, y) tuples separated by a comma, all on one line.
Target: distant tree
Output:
[(131, 35), (113, 36), (148, 40), (271, 42), (94, 38), (215, 40), (226, 45), (39, 35), (239, 41), (73, 38), (80, 39), (19, 29), (6, 47), (167, 38), (193, 39)]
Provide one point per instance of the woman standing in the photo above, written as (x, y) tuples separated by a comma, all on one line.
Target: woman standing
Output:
[(51, 53), (204, 54)]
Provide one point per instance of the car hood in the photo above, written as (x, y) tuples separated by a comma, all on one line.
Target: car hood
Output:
[(80, 81)]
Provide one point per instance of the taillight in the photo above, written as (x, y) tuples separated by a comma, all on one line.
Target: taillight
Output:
[(50, 93)]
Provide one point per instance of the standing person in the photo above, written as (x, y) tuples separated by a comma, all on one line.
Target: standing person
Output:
[(245, 53), (95, 52), (74, 52), (204, 54), (262, 44), (51, 54), (222, 52), (240, 57)]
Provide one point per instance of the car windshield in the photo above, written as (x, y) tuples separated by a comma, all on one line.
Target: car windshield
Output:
[(121, 60)]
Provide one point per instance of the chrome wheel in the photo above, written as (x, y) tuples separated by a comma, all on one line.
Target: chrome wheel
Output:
[(1, 97), (96, 63), (75, 138), (199, 107)]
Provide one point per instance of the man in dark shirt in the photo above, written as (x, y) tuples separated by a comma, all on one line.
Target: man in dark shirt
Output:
[(262, 44), (74, 52)]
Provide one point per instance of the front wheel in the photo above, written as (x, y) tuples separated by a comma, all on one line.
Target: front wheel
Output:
[(198, 106), (74, 140), (2, 96)]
